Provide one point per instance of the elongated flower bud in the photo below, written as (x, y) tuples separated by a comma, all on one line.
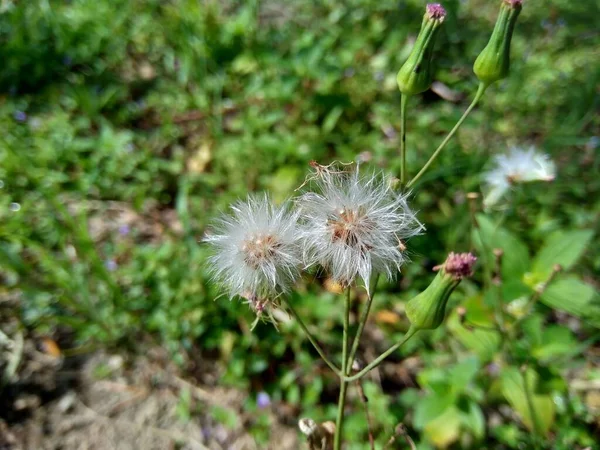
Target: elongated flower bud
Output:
[(416, 74), (427, 310), (493, 63)]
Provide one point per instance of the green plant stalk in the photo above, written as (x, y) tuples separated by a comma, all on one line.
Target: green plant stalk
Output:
[(410, 333), (478, 96), (312, 340), (403, 105), (339, 423), (361, 327)]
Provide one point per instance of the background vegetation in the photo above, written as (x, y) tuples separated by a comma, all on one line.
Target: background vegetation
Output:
[(127, 126)]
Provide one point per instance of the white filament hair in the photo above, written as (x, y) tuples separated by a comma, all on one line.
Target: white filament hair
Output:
[(355, 225), (517, 166), (256, 250)]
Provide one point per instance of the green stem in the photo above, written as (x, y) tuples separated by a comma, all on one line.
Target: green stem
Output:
[(410, 333), (339, 423), (478, 95), (403, 104), (361, 326), (311, 338)]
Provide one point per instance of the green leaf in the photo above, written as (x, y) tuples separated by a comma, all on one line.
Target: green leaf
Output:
[(483, 342), (430, 407), (513, 389), (332, 118), (564, 248), (474, 420), (556, 341), (573, 296), (490, 236), (445, 429), (463, 374)]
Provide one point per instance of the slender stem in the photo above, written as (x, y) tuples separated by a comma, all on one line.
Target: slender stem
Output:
[(539, 291), (403, 103), (361, 326), (365, 400), (478, 95), (410, 333), (311, 338), (339, 424)]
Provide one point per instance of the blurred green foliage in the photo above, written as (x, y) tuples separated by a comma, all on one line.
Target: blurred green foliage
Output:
[(171, 110)]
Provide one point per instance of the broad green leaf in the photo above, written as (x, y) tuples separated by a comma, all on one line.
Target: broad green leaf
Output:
[(431, 407), (563, 248), (513, 389), (482, 341), (474, 419), (490, 236), (573, 296), (556, 341), (463, 374), (445, 429)]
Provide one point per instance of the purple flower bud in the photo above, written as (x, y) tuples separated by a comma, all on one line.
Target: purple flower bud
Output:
[(435, 11), (459, 265), (263, 400), (20, 116), (111, 265)]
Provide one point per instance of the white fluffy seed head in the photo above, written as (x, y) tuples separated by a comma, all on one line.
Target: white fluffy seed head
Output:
[(517, 166), (256, 251), (355, 225)]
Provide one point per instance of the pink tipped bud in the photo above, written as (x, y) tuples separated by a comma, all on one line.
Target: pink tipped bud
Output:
[(435, 11), (514, 3), (416, 74), (427, 310), (459, 265)]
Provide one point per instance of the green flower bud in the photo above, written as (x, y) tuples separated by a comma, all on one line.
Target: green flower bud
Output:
[(416, 74), (493, 63), (427, 310)]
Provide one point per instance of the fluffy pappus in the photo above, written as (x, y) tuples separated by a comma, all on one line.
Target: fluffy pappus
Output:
[(517, 166), (256, 254), (355, 225)]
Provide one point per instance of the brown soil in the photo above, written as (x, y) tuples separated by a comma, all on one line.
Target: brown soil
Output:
[(108, 403)]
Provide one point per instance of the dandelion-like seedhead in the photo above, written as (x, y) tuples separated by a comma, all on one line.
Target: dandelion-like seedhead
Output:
[(517, 166), (355, 225), (256, 252)]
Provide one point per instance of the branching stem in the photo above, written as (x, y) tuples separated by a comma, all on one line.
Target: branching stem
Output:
[(478, 95), (339, 424), (312, 340), (410, 333), (361, 325)]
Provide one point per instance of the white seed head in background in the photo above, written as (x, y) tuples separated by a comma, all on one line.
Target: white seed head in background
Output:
[(517, 166), (355, 225), (256, 251)]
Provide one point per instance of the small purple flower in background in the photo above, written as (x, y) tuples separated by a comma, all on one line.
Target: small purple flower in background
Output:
[(378, 76), (349, 72), (263, 400), (124, 230), (111, 265), (67, 60), (20, 116), (493, 369)]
